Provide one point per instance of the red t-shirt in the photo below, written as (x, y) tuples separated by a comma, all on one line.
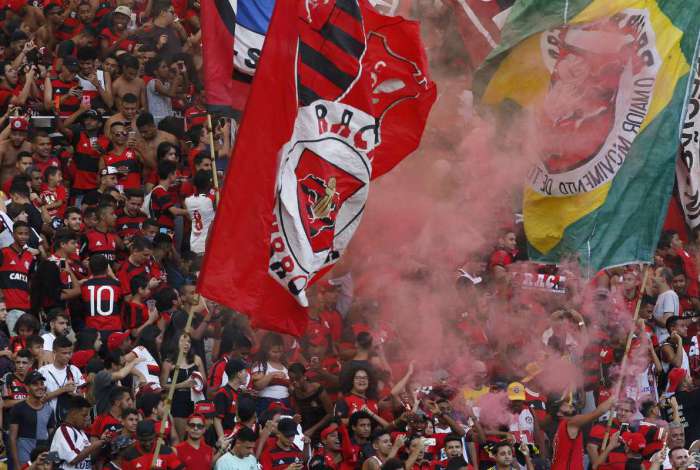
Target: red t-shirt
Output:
[(192, 458), (350, 404), (49, 196), (105, 422), (42, 165)]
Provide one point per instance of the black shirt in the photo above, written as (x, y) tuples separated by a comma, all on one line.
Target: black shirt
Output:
[(33, 424), (689, 409)]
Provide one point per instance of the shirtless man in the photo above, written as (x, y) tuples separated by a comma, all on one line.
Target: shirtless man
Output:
[(129, 81), (128, 107), (47, 35), (152, 137), (12, 145)]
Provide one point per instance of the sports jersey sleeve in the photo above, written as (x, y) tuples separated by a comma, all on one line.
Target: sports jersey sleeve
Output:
[(77, 376), (597, 435), (265, 460), (161, 200), (216, 374), (221, 403), (64, 445)]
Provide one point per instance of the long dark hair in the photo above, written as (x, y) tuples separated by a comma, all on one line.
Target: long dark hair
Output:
[(147, 339), (347, 375), (174, 350), (268, 341)]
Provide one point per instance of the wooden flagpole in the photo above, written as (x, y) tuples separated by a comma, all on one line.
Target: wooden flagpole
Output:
[(212, 151), (171, 393), (623, 367)]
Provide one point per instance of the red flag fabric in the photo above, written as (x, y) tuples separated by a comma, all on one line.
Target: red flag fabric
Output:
[(341, 95), (477, 25), (218, 26), (233, 34)]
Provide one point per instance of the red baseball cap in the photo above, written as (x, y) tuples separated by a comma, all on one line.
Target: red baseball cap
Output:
[(196, 415), (328, 430), (204, 408), (115, 340), (19, 123)]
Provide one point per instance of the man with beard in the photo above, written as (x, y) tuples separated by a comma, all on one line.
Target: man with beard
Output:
[(568, 440), (10, 148)]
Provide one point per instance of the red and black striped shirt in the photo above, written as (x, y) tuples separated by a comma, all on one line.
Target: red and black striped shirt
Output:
[(15, 266)]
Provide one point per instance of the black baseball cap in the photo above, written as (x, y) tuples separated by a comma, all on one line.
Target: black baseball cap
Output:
[(71, 63), (33, 377), (234, 366), (91, 113), (287, 427), (146, 429)]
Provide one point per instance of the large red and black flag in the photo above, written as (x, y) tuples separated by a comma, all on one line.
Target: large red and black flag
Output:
[(233, 34), (341, 96)]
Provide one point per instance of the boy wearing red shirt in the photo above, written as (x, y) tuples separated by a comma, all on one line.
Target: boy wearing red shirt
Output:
[(54, 196)]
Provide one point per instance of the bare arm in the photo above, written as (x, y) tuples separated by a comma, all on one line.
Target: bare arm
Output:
[(582, 420)]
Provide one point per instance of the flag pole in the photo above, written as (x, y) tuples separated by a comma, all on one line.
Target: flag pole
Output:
[(171, 392), (215, 175), (623, 367)]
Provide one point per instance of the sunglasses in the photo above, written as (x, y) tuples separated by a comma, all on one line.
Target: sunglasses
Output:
[(122, 133), (196, 425)]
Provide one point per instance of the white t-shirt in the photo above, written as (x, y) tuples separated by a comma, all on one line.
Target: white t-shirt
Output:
[(48, 341), (149, 368), (201, 209), (229, 461), (57, 378), (665, 303), (276, 392), (69, 442)]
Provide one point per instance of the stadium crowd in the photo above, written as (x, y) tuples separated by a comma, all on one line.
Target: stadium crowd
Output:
[(106, 171)]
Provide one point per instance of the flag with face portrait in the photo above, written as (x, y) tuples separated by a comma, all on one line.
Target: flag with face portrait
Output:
[(602, 84)]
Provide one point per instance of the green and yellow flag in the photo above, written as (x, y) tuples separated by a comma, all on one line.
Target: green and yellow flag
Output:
[(602, 86)]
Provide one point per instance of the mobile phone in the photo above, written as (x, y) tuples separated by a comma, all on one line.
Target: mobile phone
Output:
[(62, 264), (624, 427), (85, 100)]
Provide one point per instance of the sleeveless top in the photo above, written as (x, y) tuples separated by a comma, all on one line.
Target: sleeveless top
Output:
[(568, 453)]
